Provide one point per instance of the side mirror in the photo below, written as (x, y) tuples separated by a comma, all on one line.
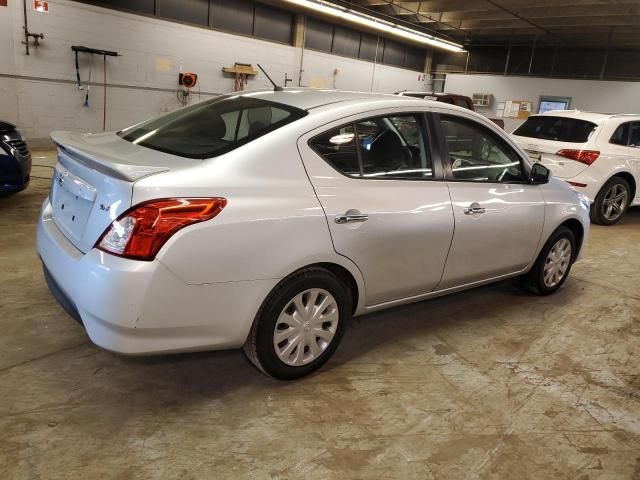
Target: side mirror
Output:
[(539, 174)]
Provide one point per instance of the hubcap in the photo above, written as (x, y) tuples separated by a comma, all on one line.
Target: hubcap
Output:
[(306, 327), (614, 202), (557, 262)]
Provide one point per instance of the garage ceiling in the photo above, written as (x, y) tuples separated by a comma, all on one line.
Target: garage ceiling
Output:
[(602, 23)]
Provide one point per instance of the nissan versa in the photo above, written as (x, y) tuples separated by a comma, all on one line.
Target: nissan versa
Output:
[(268, 219)]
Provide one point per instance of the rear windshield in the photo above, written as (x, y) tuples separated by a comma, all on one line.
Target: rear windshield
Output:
[(562, 129), (213, 127)]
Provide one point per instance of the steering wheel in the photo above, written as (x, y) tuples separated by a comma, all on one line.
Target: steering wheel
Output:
[(502, 174), (461, 162), (485, 149)]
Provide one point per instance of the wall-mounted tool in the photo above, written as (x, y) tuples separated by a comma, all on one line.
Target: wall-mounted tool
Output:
[(27, 34), (94, 51), (241, 71), (188, 80)]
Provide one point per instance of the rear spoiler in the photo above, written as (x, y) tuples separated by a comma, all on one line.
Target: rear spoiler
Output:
[(98, 156)]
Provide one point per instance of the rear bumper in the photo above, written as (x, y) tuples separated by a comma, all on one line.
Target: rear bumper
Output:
[(135, 308), (590, 190), (582, 180)]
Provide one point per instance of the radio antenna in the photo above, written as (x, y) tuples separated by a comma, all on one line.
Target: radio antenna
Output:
[(276, 88)]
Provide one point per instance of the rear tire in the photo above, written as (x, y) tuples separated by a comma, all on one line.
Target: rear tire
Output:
[(299, 325), (553, 264), (611, 202)]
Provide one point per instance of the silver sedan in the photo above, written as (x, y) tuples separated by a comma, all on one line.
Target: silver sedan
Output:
[(268, 219)]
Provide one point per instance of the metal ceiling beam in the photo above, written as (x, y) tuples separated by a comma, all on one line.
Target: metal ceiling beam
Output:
[(547, 24), (481, 5), (567, 22), (536, 13)]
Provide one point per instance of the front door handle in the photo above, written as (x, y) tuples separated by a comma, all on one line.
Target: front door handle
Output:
[(351, 216), (474, 208)]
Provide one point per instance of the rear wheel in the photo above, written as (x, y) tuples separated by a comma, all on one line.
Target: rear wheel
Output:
[(553, 264), (611, 202), (299, 325)]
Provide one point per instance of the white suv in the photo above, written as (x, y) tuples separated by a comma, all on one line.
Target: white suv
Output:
[(598, 154)]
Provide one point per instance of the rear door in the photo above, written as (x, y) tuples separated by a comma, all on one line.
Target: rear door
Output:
[(386, 203), (498, 215), (625, 143)]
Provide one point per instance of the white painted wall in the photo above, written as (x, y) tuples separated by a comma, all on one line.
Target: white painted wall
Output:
[(588, 95), (153, 52)]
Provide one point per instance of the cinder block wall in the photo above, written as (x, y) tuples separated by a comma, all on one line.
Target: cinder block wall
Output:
[(38, 92)]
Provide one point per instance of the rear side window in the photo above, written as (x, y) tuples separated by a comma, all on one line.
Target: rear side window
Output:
[(562, 129), (634, 139), (338, 147), (621, 135), (211, 128), (380, 147)]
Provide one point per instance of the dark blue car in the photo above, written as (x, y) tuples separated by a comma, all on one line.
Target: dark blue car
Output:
[(15, 160)]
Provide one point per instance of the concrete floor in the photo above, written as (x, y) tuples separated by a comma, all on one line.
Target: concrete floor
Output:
[(489, 383)]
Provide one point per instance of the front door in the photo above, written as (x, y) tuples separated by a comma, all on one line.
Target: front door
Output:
[(498, 215), (387, 208)]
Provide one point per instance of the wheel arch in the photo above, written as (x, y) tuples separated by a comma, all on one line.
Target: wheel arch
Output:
[(347, 272), (578, 231), (346, 277), (630, 179)]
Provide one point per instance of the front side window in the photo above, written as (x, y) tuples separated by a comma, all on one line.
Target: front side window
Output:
[(213, 127), (621, 135), (379, 147), (477, 154)]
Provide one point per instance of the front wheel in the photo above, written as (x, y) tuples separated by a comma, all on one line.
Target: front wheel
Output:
[(611, 202), (553, 264), (299, 325)]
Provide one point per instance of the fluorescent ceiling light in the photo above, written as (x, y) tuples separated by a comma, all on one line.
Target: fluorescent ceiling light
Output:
[(378, 24)]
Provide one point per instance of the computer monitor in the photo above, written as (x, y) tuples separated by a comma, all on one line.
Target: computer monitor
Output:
[(554, 103)]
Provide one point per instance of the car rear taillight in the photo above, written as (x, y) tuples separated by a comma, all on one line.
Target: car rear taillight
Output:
[(140, 232), (583, 156)]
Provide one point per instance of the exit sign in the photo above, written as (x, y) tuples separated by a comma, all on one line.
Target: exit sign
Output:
[(40, 6)]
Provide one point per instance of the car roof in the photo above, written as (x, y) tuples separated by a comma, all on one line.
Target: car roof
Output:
[(310, 98), (595, 117)]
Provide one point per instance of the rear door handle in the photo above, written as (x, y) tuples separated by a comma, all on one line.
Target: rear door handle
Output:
[(474, 208), (351, 216)]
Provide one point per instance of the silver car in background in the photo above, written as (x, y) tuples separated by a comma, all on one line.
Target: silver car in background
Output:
[(268, 219)]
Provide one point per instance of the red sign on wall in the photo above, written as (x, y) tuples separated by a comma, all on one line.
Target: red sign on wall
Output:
[(40, 6), (3, 3)]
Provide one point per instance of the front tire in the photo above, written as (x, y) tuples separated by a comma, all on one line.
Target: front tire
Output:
[(554, 263), (299, 325), (611, 202)]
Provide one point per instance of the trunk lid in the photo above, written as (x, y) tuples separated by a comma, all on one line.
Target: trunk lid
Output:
[(93, 181), (545, 152)]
